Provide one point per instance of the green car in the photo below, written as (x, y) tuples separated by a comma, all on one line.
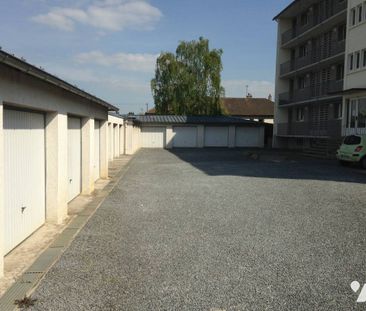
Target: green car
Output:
[(353, 150)]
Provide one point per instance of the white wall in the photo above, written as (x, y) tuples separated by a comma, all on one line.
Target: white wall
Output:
[(1, 191), (355, 41), (21, 91)]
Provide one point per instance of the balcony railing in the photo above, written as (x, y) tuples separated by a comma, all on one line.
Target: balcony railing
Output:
[(317, 91), (329, 128), (314, 20), (315, 55)]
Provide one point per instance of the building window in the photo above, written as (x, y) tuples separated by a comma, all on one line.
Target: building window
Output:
[(342, 32), (361, 120), (350, 62), (356, 113), (300, 114), (360, 13), (303, 50), (358, 60), (301, 82), (353, 113), (304, 18), (338, 111), (364, 58), (340, 72), (353, 17)]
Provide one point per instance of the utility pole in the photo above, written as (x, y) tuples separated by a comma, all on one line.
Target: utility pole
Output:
[(147, 107)]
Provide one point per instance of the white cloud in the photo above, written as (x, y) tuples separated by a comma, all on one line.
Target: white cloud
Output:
[(108, 81), (110, 15), (125, 61), (237, 88)]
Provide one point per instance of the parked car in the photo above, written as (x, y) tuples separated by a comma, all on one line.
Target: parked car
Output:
[(353, 150)]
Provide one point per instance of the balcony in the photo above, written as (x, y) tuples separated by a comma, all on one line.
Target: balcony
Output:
[(309, 93), (314, 56), (324, 129), (314, 20)]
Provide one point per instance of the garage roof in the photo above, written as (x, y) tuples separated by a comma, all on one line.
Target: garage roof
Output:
[(21, 65), (174, 119)]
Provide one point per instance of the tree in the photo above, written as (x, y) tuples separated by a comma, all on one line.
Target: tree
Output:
[(189, 81)]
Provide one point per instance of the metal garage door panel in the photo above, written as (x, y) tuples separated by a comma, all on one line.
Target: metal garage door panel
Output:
[(153, 137), (96, 150), (247, 137), (74, 157), (216, 136), (24, 168), (185, 137)]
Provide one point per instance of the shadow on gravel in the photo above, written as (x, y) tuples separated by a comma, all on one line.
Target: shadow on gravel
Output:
[(267, 164)]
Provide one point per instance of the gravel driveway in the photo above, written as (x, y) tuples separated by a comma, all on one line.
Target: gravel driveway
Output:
[(214, 230)]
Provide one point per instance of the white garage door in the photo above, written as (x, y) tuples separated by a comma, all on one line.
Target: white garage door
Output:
[(74, 157), (153, 137), (116, 140), (185, 137), (247, 137), (216, 136), (96, 150), (24, 168)]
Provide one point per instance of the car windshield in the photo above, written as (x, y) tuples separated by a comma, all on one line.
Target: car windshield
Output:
[(352, 140)]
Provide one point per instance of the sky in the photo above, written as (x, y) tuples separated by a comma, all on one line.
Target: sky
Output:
[(109, 47)]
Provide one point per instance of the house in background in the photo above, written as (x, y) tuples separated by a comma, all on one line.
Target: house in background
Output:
[(312, 71), (248, 108), (256, 109)]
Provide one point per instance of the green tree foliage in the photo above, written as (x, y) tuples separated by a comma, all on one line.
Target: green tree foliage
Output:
[(188, 82)]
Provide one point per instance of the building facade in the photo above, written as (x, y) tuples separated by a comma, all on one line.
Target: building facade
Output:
[(311, 74), (354, 94)]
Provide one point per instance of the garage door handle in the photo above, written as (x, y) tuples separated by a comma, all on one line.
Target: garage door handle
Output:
[(23, 209)]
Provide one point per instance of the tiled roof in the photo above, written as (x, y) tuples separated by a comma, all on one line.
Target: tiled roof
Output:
[(248, 107), (174, 119)]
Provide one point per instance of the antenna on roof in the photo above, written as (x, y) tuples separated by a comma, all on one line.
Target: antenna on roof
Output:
[(246, 90)]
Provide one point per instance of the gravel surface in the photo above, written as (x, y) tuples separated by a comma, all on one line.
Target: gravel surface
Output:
[(215, 230)]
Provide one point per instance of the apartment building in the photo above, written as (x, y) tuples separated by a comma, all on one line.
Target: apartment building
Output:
[(310, 75), (354, 94)]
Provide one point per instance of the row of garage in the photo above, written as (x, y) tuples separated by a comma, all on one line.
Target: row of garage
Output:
[(24, 134), (54, 146), (179, 132), (25, 163)]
